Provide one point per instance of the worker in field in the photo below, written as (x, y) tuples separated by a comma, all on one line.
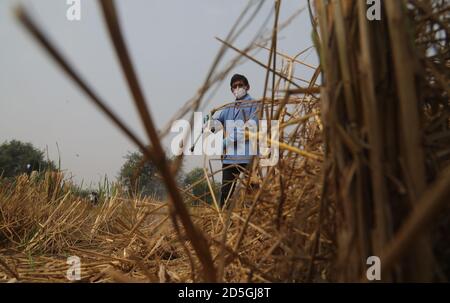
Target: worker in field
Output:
[(237, 150)]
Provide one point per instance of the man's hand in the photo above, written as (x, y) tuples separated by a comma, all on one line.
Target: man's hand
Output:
[(206, 119), (224, 143)]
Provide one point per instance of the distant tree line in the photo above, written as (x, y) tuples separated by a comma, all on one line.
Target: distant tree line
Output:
[(18, 158), (138, 177)]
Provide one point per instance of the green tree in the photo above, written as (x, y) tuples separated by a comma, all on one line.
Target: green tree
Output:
[(141, 177), (200, 189), (17, 158)]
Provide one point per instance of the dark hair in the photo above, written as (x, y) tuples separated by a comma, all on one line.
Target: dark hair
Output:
[(238, 77)]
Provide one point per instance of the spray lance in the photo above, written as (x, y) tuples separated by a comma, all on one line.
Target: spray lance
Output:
[(206, 125)]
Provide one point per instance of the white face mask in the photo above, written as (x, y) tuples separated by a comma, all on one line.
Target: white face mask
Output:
[(239, 93)]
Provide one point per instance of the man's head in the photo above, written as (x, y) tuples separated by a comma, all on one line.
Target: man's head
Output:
[(239, 86)]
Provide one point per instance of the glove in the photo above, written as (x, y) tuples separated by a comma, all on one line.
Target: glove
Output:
[(206, 119)]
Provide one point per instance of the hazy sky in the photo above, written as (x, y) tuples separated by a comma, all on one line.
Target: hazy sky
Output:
[(172, 45)]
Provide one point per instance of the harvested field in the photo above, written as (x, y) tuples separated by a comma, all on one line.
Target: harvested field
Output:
[(363, 169)]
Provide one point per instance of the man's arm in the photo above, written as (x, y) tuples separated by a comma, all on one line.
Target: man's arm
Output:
[(221, 119), (254, 116)]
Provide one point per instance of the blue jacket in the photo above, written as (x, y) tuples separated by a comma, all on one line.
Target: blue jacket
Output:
[(240, 112)]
